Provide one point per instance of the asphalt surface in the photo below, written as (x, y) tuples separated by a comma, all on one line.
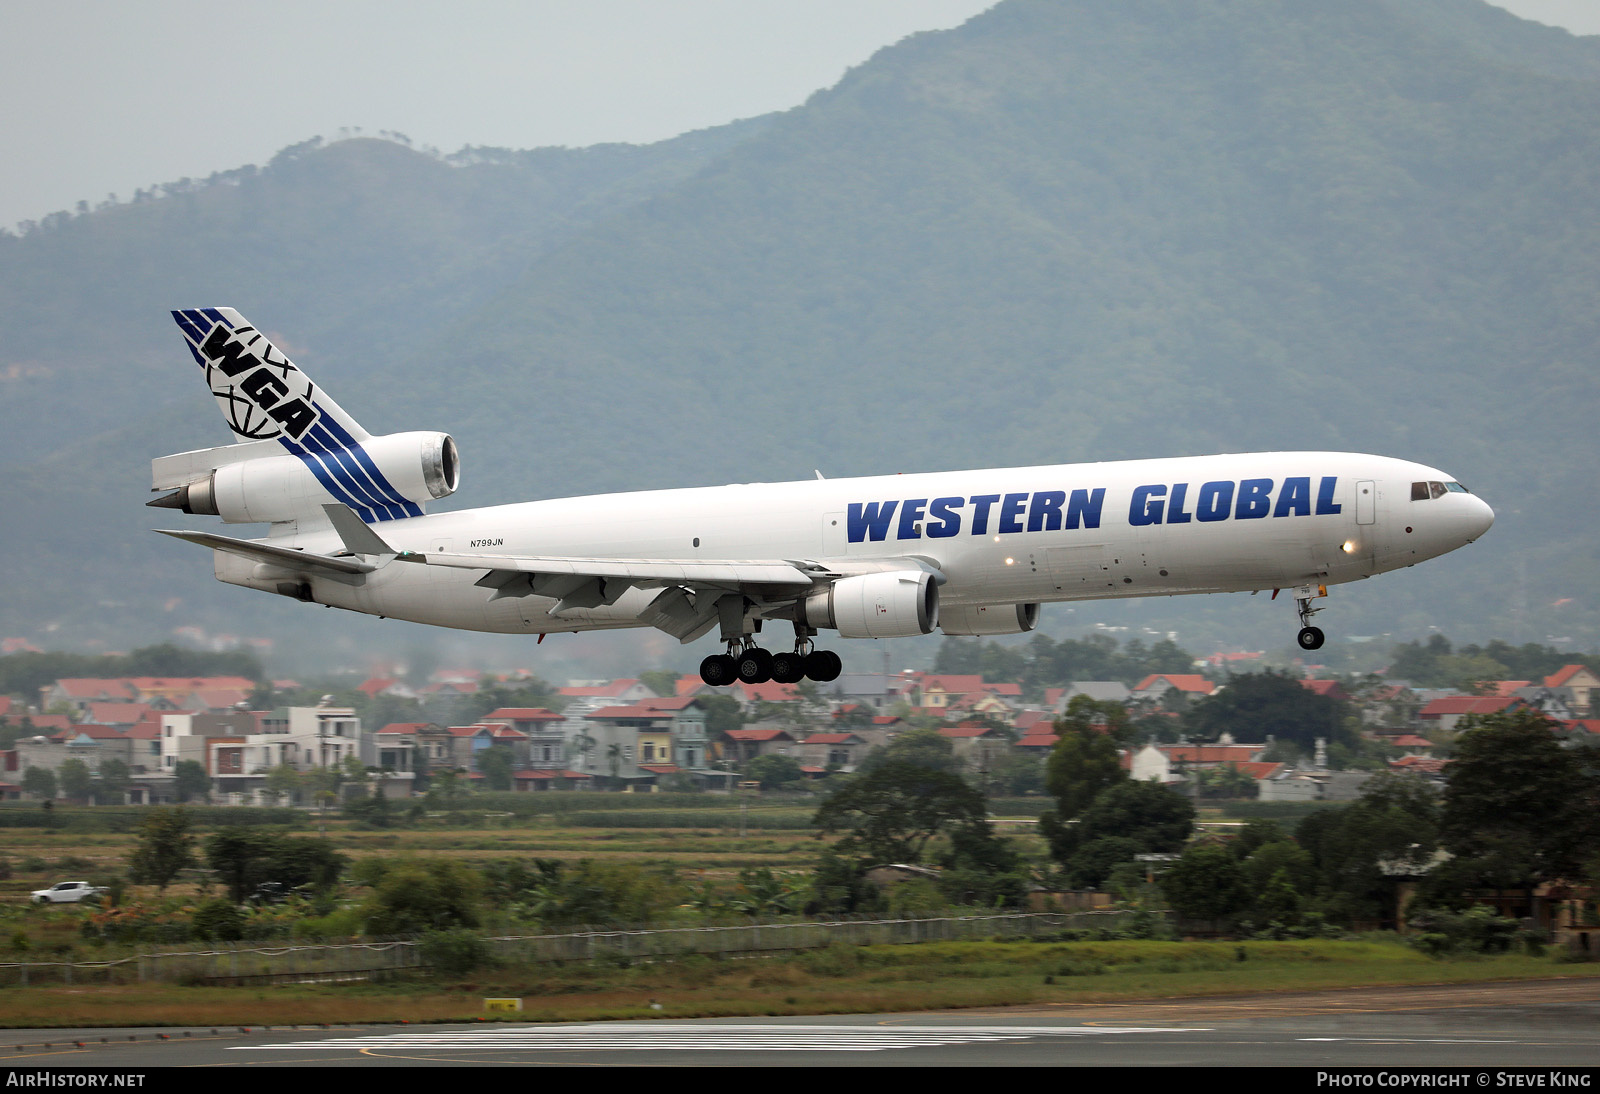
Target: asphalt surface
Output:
[(1474, 1030)]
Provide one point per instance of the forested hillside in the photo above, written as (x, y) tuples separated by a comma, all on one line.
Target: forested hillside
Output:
[(1067, 230)]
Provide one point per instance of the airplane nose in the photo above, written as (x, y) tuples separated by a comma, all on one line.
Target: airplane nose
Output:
[(1480, 519)]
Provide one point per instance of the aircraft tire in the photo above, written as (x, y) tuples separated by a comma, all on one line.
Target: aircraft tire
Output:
[(823, 666), (1311, 638), (788, 668), (718, 670), (754, 665)]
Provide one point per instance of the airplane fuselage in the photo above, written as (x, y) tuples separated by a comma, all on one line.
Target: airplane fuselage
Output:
[(1028, 535)]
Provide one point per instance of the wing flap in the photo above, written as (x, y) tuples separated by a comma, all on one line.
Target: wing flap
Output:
[(638, 571)]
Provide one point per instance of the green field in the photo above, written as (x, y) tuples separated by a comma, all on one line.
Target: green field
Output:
[(837, 980)]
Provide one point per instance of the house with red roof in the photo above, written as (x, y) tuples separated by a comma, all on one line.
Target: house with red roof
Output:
[(1446, 712), (79, 691), (543, 730), (1580, 681), (1166, 763), (1328, 689), (645, 740), (374, 686), (975, 743), (535, 780), (740, 746), (1153, 688), (839, 751)]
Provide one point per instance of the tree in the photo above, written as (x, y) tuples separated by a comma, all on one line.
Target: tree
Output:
[(774, 771), (496, 764), (413, 896), (1205, 883), (1518, 803), (111, 780), (1259, 705), (1124, 820), (1085, 760), (893, 811), (76, 782), (245, 858), (923, 747), (165, 848), (40, 782), (193, 780), (283, 782), (660, 681), (1360, 850)]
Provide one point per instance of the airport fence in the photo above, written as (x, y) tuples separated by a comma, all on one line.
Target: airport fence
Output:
[(305, 962)]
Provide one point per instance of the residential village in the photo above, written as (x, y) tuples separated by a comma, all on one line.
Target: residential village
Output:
[(156, 740)]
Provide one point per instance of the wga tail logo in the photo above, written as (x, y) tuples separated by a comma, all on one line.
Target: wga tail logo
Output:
[(261, 393)]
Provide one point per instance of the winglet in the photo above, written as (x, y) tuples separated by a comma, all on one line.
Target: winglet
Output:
[(357, 537)]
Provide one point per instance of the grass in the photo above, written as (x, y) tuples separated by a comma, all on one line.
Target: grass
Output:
[(837, 980)]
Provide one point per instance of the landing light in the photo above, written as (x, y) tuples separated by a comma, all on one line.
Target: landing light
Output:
[(1348, 547), (1011, 562)]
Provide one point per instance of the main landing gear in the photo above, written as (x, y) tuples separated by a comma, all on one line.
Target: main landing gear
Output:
[(751, 664), (747, 662)]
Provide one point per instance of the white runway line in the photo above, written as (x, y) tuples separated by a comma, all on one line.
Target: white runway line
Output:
[(666, 1037)]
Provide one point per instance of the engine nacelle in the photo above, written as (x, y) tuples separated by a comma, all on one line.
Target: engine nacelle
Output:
[(896, 604), (989, 619), (381, 475)]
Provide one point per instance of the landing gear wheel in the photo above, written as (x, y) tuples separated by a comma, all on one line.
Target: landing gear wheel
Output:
[(1310, 638), (823, 666), (718, 670), (754, 665), (788, 668)]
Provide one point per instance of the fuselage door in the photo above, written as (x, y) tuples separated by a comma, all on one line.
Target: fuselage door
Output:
[(1366, 502)]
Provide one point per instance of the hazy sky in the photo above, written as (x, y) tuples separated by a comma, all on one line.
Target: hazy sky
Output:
[(107, 96)]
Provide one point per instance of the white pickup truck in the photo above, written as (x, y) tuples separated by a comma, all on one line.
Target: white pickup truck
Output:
[(67, 892)]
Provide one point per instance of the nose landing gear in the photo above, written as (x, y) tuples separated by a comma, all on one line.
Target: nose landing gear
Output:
[(1310, 638)]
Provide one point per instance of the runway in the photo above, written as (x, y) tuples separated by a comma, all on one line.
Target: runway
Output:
[(1476, 1029)]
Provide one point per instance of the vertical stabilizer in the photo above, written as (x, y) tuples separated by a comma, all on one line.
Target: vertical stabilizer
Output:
[(261, 393), (264, 398)]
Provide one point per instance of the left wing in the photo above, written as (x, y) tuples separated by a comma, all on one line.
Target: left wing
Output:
[(695, 593)]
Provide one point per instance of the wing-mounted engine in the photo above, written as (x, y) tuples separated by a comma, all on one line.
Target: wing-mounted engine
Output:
[(893, 604), (989, 619), (381, 478)]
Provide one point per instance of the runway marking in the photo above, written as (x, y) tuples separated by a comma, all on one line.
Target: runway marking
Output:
[(663, 1036), (1414, 1040)]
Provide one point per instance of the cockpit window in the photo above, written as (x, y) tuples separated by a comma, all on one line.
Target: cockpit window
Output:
[(1436, 489), (1419, 491), (1456, 488)]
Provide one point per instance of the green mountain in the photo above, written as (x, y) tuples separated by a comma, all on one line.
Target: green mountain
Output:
[(1067, 230)]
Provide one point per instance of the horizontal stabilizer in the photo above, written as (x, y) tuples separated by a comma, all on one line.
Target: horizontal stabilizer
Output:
[(285, 557), (183, 468)]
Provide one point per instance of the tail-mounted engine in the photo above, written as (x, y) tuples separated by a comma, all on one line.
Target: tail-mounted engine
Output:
[(381, 478)]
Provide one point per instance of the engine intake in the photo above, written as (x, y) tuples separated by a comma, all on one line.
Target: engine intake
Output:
[(896, 604)]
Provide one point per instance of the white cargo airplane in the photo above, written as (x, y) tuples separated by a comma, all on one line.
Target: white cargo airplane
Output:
[(967, 552)]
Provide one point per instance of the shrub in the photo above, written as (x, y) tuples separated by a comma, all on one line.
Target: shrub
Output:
[(218, 920), (1476, 930), (455, 953)]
